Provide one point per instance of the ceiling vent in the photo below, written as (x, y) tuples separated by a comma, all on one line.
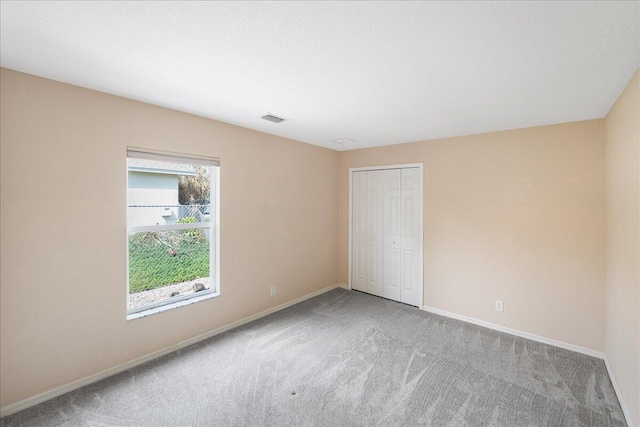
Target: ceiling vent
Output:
[(272, 118), (344, 141)]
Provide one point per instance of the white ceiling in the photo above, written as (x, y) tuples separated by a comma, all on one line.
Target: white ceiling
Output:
[(376, 72)]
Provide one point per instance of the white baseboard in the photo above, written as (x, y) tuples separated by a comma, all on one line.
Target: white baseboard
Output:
[(516, 332), (625, 410), (59, 391)]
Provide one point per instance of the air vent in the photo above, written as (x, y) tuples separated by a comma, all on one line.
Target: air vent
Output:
[(272, 118), (344, 141)]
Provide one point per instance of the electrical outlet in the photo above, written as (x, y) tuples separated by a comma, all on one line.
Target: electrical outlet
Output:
[(273, 290), (499, 306)]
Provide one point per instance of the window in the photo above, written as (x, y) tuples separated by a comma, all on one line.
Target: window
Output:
[(172, 230)]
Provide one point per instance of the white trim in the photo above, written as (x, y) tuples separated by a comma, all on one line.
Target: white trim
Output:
[(59, 391), (350, 223), (216, 262), (383, 167), (516, 332), (167, 227), (126, 247), (140, 169), (171, 157), (421, 233), (171, 303), (625, 410), (420, 166)]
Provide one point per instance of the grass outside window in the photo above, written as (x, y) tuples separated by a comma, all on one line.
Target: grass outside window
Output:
[(159, 259)]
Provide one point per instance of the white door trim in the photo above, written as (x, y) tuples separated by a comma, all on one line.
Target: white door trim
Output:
[(420, 166)]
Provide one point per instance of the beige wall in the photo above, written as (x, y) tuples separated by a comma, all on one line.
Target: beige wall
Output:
[(623, 244), (63, 170), (516, 216)]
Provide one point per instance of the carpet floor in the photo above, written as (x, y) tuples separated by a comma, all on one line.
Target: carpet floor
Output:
[(346, 358)]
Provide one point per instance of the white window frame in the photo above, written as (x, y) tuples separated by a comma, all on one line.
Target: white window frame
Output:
[(213, 225)]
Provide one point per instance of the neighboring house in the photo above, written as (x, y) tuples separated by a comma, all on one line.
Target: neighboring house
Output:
[(153, 191)]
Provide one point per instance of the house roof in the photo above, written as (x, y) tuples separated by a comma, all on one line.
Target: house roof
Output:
[(154, 166)]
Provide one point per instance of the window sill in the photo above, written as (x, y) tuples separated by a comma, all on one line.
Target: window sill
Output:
[(171, 305)]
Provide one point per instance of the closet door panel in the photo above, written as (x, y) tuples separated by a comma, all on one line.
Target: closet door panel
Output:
[(359, 231), (374, 228), (391, 229), (410, 226)]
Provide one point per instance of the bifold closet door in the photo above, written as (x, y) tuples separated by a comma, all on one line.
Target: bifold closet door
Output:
[(385, 233), (374, 232), (391, 227), (410, 262), (358, 231), (367, 242)]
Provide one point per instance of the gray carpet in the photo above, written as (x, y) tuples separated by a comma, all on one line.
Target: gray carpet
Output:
[(347, 358)]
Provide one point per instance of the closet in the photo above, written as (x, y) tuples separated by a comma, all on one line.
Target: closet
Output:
[(386, 233)]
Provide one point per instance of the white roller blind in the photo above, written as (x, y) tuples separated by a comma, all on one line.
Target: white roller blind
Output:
[(162, 156)]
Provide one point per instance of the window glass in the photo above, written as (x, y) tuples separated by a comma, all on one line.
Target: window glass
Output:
[(171, 230)]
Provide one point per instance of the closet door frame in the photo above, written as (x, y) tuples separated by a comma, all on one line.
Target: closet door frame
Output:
[(420, 167)]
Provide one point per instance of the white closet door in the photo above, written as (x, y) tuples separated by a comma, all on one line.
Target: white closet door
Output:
[(359, 231), (409, 245), (373, 221), (392, 238), (386, 223)]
